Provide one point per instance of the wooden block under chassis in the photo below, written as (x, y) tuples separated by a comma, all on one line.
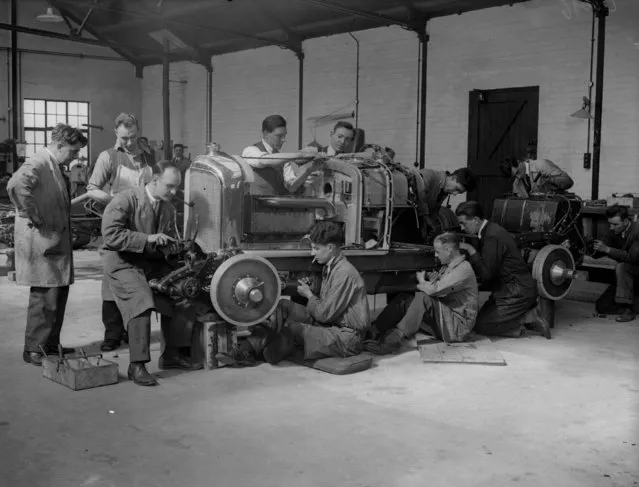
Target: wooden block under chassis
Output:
[(211, 338)]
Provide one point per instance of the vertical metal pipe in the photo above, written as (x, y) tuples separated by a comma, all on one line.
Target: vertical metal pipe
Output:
[(209, 103), (423, 41), (15, 100), (300, 102), (602, 13), (356, 81), (166, 106)]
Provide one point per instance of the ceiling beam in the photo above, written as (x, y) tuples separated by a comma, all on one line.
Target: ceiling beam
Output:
[(117, 48), (65, 37), (415, 13), (183, 10), (293, 39), (168, 22), (383, 19)]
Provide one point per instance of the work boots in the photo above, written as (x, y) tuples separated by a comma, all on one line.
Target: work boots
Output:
[(534, 319), (391, 342), (626, 315), (241, 356), (138, 374)]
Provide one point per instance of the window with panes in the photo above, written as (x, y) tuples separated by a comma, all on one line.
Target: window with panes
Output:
[(41, 117)]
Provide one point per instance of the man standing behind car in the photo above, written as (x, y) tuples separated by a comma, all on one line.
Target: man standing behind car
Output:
[(126, 165)]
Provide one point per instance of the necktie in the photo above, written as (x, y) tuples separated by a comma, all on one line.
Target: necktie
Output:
[(527, 183)]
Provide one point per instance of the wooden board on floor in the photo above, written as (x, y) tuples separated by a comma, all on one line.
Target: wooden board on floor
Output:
[(477, 350)]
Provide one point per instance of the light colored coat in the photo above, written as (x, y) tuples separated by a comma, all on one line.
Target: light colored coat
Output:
[(544, 176), (455, 289), (43, 255)]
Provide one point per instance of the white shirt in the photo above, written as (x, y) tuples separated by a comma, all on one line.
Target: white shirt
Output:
[(481, 229), (154, 201), (254, 153), (330, 151)]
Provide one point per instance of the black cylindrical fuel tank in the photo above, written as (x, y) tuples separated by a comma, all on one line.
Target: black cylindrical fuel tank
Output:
[(537, 213)]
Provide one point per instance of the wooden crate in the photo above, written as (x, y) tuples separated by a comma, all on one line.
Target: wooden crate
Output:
[(79, 373), (212, 335)]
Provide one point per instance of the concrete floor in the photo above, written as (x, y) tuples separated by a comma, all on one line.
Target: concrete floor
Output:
[(562, 413)]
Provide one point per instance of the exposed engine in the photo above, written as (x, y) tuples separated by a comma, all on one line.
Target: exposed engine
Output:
[(249, 247)]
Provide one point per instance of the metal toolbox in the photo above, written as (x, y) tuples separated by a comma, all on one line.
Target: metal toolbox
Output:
[(80, 372)]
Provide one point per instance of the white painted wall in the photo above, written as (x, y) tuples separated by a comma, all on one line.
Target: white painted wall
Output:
[(109, 86), (542, 42)]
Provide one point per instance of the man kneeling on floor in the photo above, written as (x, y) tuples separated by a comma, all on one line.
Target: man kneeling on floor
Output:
[(513, 305), (445, 305), (332, 324), (134, 248), (622, 245)]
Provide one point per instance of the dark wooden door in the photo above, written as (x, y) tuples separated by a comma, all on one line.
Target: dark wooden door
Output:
[(501, 124)]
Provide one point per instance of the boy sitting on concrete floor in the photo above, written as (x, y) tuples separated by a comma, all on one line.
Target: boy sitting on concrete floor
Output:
[(445, 305), (332, 324)]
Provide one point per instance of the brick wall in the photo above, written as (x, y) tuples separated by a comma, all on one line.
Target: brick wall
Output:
[(542, 42), (109, 86)]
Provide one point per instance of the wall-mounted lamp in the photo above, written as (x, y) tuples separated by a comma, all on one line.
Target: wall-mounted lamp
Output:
[(584, 111)]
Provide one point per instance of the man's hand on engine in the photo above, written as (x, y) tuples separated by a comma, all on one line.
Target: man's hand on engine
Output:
[(601, 247), (160, 239), (304, 290)]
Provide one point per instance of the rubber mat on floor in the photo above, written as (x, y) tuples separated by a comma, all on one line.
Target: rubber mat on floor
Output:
[(477, 350), (336, 365)]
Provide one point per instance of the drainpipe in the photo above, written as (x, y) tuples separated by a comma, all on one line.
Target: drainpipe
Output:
[(15, 100), (209, 103), (423, 42), (300, 102), (166, 106), (356, 81), (602, 12)]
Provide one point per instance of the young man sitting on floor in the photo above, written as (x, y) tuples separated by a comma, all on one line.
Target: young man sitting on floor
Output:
[(332, 324), (445, 305)]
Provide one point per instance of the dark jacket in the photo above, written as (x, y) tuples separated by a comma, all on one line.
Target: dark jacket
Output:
[(127, 258), (624, 247), (432, 195), (499, 265)]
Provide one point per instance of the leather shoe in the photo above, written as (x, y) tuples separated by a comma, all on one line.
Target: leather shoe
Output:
[(389, 344), (53, 350), (109, 345), (533, 319), (237, 358), (33, 358), (626, 316), (139, 375), (177, 362)]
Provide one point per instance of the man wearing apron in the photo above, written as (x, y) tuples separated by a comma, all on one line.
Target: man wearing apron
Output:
[(126, 165)]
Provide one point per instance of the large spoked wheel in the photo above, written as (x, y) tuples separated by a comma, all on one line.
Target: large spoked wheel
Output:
[(554, 270), (245, 290)]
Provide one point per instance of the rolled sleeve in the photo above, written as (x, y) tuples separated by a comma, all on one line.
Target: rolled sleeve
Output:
[(253, 154), (290, 172), (101, 172)]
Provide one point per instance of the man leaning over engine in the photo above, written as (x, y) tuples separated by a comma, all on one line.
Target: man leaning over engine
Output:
[(272, 175), (134, 248), (332, 324), (439, 185), (533, 175)]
